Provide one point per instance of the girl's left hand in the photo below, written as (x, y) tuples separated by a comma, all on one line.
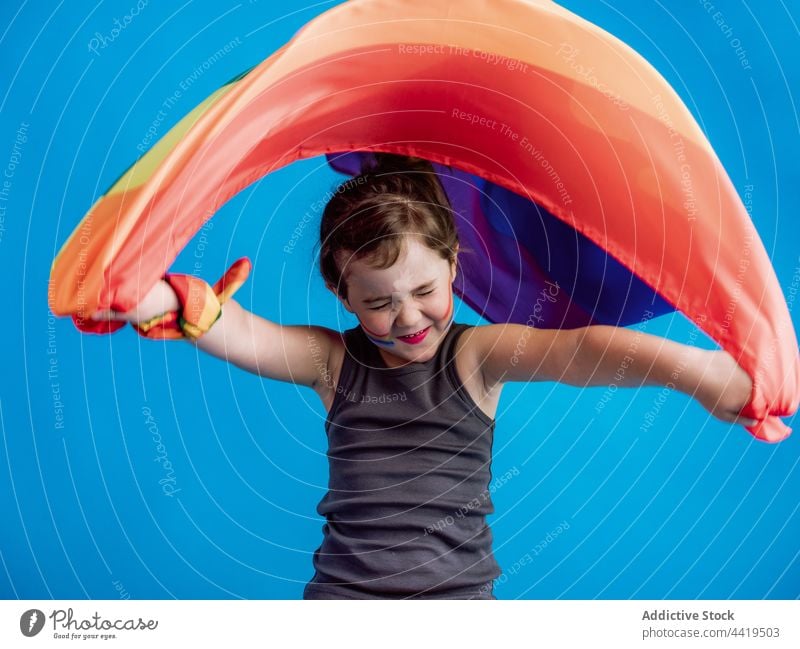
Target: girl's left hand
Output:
[(724, 388)]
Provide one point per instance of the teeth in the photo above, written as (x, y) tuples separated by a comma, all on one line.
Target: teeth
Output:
[(414, 334)]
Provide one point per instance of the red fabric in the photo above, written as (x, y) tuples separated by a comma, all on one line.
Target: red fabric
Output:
[(670, 215)]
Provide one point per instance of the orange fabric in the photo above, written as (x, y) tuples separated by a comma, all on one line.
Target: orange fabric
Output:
[(582, 114)]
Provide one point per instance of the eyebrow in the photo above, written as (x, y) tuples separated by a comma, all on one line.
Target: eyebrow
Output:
[(370, 300)]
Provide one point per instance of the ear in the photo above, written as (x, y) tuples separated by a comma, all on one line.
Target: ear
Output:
[(454, 267), (345, 302)]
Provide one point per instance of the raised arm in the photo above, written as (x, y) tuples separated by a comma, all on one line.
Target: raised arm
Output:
[(296, 353), (601, 355)]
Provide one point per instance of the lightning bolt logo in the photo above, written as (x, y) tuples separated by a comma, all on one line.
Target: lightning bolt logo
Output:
[(31, 622)]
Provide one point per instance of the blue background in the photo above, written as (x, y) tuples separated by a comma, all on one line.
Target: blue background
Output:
[(689, 508)]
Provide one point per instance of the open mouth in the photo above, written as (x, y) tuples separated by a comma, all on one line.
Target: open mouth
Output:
[(415, 338)]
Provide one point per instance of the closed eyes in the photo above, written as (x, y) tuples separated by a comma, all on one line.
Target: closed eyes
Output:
[(383, 306)]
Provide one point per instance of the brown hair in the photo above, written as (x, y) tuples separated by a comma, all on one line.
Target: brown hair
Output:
[(370, 215)]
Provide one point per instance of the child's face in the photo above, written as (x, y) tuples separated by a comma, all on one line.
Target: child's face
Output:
[(415, 294)]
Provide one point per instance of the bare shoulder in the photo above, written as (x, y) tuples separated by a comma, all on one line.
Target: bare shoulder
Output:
[(335, 353), (325, 387), (477, 344), (469, 352), (515, 352)]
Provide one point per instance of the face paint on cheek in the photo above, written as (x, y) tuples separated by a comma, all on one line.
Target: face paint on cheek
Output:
[(450, 312), (377, 338)]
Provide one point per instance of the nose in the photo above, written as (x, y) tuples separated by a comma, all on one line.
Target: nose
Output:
[(408, 314)]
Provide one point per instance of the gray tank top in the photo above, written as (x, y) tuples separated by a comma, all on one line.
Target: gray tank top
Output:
[(410, 465)]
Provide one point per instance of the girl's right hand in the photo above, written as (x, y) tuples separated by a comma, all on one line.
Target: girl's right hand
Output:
[(725, 387), (160, 299)]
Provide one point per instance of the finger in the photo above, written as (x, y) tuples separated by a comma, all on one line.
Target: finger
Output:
[(744, 421)]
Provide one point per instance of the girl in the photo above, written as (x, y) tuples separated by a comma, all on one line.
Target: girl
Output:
[(411, 395)]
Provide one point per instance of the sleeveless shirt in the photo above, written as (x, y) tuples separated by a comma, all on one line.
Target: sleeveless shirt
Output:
[(409, 455)]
